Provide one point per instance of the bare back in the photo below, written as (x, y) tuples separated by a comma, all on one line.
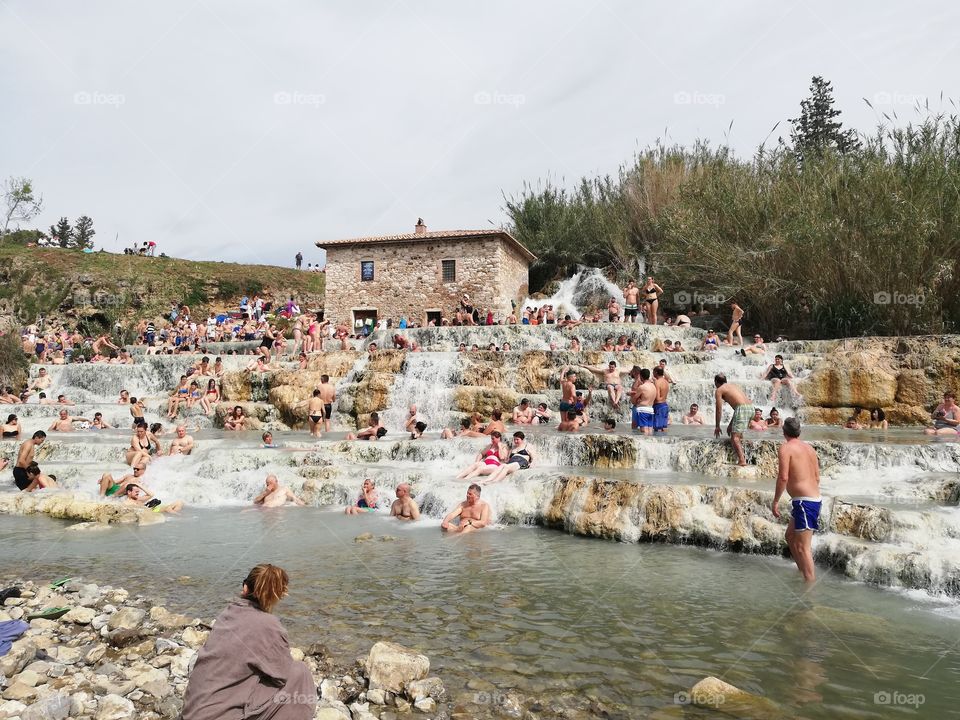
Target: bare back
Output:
[(798, 461), (732, 394), (328, 392)]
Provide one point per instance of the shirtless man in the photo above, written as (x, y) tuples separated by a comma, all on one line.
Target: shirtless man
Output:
[(661, 409), (109, 486), (758, 347), (183, 443), (523, 413), (328, 393), (373, 431), (495, 424), (42, 381), (643, 395), (799, 475), (102, 345), (275, 494), (662, 364), (473, 513), (464, 431), (742, 412), (411, 422), (404, 507), (137, 495), (64, 423), (568, 390), (569, 422), (693, 417), (25, 458), (612, 381), (757, 422), (315, 412), (631, 302), (613, 310)]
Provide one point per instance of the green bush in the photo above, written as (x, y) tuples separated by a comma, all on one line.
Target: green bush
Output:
[(14, 365)]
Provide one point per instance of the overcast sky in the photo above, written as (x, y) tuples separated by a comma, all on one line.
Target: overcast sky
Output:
[(248, 131)]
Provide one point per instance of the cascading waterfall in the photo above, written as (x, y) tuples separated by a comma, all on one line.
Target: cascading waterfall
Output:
[(587, 288), (428, 382)]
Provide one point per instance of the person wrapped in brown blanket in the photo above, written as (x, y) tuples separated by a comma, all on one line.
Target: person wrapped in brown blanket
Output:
[(244, 671)]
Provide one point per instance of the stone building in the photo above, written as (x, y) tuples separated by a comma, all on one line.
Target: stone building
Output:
[(422, 275)]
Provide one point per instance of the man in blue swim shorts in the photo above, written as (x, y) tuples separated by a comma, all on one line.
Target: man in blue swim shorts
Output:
[(799, 475), (643, 395)]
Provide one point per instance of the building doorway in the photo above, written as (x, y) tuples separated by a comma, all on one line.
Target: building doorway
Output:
[(364, 320), (435, 316)]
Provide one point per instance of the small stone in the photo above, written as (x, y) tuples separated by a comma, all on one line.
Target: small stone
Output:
[(77, 702), (56, 670), (94, 654), (194, 638), (109, 609), (426, 705), (329, 689), (117, 597), (122, 638), (377, 697), (55, 706), (40, 667), (162, 645), (28, 677), (11, 708), (19, 691), (44, 624), (428, 687), (80, 615), (12, 602), (67, 655), (392, 666), (363, 537), (182, 663), (114, 707), (22, 652), (168, 620), (361, 711), (401, 704), (128, 618), (15, 613), (296, 654), (99, 621)]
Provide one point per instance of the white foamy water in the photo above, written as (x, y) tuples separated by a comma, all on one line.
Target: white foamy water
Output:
[(588, 287)]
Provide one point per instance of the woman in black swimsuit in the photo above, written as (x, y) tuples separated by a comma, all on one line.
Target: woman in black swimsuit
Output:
[(266, 344), (778, 374), (652, 293), (521, 458), (11, 428)]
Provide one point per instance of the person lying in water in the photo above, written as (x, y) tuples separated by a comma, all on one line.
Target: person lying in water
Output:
[(464, 431), (275, 494), (109, 486), (137, 495), (39, 481), (472, 514), (368, 501), (488, 460), (373, 431), (404, 507)]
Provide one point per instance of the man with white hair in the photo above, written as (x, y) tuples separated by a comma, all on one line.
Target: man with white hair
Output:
[(183, 443)]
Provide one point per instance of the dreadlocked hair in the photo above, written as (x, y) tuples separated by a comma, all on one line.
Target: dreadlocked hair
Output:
[(266, 585)]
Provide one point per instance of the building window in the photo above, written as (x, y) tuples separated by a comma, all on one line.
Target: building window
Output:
[(449, 270), (366, 270)]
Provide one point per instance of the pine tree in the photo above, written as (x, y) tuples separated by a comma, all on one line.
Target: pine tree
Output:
[(61, 232), (816, 130), (83, 232)]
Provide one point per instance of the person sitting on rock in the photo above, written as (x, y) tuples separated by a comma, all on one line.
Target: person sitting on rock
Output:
[(542, 414), (182, 444), (471, 514), (275, 494), (520, 457), (757, 422), (523, 413), (946, 417), (65, 421), (367, 501), (758, 347), (405, 507), (463, 431), (373, 431), (244, 669), (236, 420), (779, 374), (488, 460)]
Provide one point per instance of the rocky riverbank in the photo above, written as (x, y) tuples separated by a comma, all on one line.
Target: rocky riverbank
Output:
[(114, 656)]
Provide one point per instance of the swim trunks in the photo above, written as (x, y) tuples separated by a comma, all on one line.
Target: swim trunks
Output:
[(111, 490), (806, 513), (661, 416), (629, 310), (328, 410), (643, 416), (20, 478), (566, 407), (741, 418)]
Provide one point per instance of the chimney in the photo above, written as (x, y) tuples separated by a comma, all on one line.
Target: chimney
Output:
[(419, 228)]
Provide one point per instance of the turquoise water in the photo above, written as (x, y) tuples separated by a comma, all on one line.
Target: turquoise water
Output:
[(539, 612)]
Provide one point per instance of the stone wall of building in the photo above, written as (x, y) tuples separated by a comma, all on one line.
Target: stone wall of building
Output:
[(408, 279), (514, 276)]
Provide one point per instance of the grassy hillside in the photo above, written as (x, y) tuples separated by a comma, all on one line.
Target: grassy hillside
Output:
[(97, 288)]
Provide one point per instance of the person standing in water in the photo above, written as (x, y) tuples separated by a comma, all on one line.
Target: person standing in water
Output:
[(742, 413), (799, 475), (631, 301), (244, 670), (651, 296), (328, 393), (736, 329)]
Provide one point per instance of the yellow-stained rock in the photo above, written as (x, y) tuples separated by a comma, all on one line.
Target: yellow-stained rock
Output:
[(485, 400), (336, 364), (235, 386), (714, 693)]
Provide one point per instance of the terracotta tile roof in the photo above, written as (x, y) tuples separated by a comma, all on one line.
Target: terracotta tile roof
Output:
[(431, 235)]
